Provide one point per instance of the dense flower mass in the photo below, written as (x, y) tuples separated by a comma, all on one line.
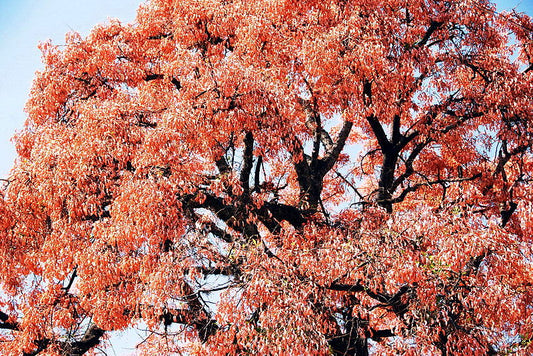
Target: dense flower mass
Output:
[(277, 177)]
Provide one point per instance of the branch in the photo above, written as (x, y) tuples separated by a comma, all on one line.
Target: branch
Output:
[(413, 188), (174, 81), (341, 287), (378, 132), (218, 232), (230, 270), (404, 140), (151, 77), (377, 335), (394, 301), (506, 214), (90, 339), (477, 70), (409, 164), (433, 26), (5, 324), (196, 315), (396, 135), (502, 161), (330, 159), (71, 281), (161, 36), (314, 125), (222, 165), (271, 214), (258, 165), (367, 92), (461, 120), (301, 166), (361, 197), (231, 215), (205, 327), (41, 344), (247, 161), (384, 298)]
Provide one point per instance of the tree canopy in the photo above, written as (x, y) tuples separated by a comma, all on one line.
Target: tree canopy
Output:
[(277, 177)]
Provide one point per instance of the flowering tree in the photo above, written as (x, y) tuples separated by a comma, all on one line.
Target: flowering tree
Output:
[(277, 177)]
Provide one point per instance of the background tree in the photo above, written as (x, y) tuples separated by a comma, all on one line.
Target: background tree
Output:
[(277, 177)]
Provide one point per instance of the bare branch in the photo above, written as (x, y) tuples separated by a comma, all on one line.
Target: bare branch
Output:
[(247, 161), (383, 141), (258, 165), (330, 159), (90, 339), (415, 187), (433, 26), (5, 324), (71, 281), (409, 164)]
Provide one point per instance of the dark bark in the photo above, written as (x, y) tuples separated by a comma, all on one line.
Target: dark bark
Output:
[(433, 26), (90, 339), (248, 160), (507, 213)]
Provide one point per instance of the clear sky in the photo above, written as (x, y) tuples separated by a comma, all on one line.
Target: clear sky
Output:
[(24, 23)]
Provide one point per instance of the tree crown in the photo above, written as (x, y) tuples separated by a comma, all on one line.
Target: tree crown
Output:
[(277, 177)]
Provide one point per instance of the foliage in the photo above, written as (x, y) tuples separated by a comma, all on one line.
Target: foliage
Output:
[(277, 177)]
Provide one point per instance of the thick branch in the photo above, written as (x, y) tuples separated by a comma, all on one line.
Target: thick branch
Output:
[(230, 270), (376, 335), (314, 125), (5, 324), (271, 214), (71, 281), (506, 156), (258, 165), (151, 77), (433, 26), (196, 315), (396, 135), (330, 160), (174, 81), (218, 232), (409, 164), (386, 178), (303, 171), (205, 326), (247, 161), (311, 170), (222, 165), (41, 344), (231, 215), (341, 287), (90, 339), (507, 213), (383, 141)]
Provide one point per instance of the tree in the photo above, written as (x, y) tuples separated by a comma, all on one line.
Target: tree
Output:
[(277, 177)]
